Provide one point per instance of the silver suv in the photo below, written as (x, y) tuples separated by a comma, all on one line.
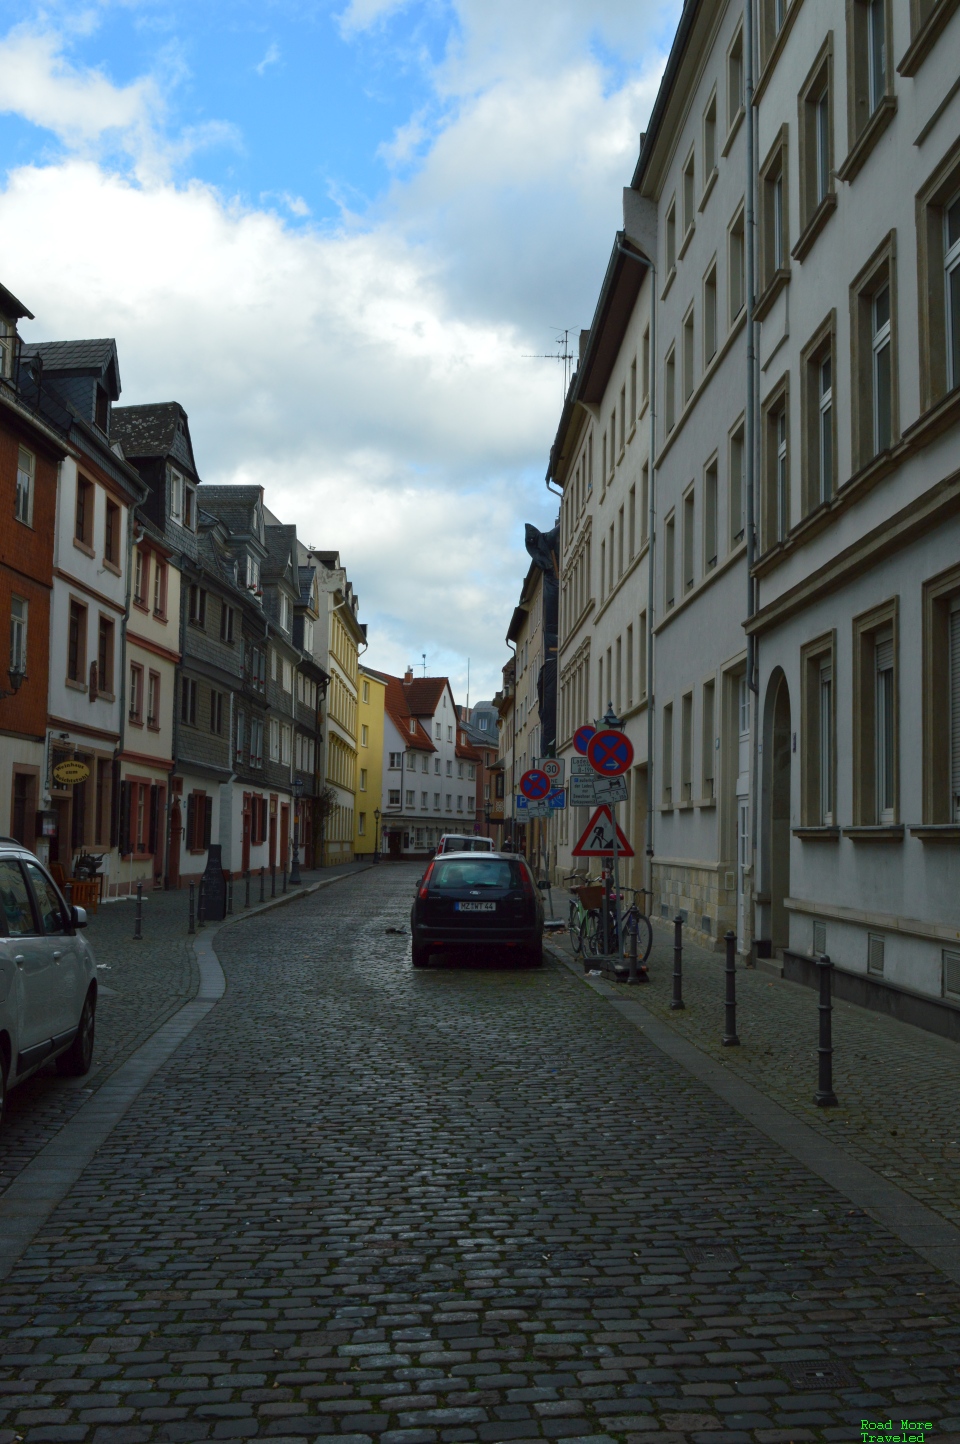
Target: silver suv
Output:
[(48, 974)]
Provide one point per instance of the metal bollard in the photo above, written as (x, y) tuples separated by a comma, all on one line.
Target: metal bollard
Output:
[(201, 904), (138, 924), (633, 976), (246, 888), (676, 1001), (825, 1096), (273, 880), (190, 925), (730, 1037), (284, 879), (230, 893), (261, 884)]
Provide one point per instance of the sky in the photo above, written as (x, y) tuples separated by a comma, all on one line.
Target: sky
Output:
[(346, 236)]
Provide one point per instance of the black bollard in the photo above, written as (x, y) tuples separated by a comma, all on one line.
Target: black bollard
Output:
[(246, 887), (730, 1037), (284, 879), (138, 924), (676, 1002), (201, 904), (261, 884), (273, 880), (825, 1096), (230, 893), (190, 925)]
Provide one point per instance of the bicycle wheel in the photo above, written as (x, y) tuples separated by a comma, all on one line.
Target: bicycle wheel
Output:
[(592, 933), (644, 937), (575, 929)]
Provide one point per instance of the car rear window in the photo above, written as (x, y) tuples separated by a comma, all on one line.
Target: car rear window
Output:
[(475, 871)]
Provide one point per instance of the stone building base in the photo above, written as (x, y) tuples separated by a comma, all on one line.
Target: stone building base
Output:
[(700, 895)]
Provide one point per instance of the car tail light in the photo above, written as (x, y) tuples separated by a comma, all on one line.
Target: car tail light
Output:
[(526, 882), (425, 881)]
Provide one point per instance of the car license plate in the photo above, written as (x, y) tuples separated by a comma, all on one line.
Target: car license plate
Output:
[(468, 907)]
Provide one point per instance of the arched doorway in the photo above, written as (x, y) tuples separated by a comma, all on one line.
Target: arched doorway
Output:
[(778, 754)]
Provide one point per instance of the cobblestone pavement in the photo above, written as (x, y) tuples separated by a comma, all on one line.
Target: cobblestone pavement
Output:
[(367, 1203), (141, 985), (898, 1086)]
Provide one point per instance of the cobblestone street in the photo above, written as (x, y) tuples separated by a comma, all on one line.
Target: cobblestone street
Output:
[(373, 1204)]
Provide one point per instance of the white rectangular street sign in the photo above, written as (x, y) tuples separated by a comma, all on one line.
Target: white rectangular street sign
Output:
[(554, 767), (592, 790), (580, 767), (532, 809)]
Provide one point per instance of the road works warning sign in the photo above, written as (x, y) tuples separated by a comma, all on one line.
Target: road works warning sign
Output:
[(597, 839)]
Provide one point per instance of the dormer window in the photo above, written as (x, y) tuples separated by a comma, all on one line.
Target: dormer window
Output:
[(253, 574), (285, 612), (189, 508), (6, 347), (175, 486), (307, 634), (102, 412)]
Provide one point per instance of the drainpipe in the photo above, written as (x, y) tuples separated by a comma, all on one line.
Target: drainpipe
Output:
[(750, 420), (513, 751), (118, 754)]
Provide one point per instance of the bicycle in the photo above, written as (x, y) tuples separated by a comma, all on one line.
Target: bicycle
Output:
[(583, 920), (634, 922)]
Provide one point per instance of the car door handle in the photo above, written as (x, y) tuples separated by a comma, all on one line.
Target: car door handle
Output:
[(57, 956), (19, 960)]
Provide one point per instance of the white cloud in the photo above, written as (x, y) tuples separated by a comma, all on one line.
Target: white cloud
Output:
[(272, 57), (372, 377)]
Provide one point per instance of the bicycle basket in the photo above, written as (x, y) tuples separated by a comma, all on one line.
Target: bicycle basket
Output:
[(591, 896)]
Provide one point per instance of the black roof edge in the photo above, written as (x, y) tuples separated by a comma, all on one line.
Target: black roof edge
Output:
[(679, 45), (621, 244), (13, 307)]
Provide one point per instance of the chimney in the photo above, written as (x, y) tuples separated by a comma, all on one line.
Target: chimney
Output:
[(408, 675)]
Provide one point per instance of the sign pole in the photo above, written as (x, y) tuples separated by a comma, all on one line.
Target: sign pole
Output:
[(616, 881)]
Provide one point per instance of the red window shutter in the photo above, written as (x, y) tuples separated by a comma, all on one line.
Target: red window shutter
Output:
[(207, 820), (191, 821)]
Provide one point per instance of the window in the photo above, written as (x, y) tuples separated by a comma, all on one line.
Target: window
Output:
[(773, 13), (689, 572), (198, 606), (141, 568), (686, 747), (153, 701), (101, 410), (737, 487), (670, 391), (709, 140), (216, 712), (7, 334), (951, 264), (670, 238), (285, 610), (105, 655), (364, 735), (111, 534), (256, 742), (459, 769), (83, 514), (175, 491), (816, 148), (875, 741), (736, 274), (631, 524), (873, 356), (226, 624), (941, 699), (708, 747), (26, 475), (776, 472), (629, 651), (644, 501), (395, 759), (436, 765), (449, 734), (190, 508), (188, 701), (669, 587), (239, 736), (667, 756), (645, 367), (366, 687), (710, 314), (136, 694), (818, 450), (438, 731), (286, 743), (633, 393), (689, 197), (393, 797), (774, 233), (687, 358), (735, 102), (449, 802), (449, 769), (623, 418), (410, 798), (18, 635), (273, 740), (818, 731), (642, 656), (160, 589), (424, 764), (870, 101), (710, 516), (77, 644)]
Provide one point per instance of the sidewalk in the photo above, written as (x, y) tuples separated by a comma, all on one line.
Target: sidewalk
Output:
[(898, 1087)]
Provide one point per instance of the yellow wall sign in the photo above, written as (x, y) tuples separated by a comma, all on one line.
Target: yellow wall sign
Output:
[(70, 772)]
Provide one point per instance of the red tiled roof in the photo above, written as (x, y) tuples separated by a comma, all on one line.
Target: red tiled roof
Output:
[(397, 709), (423, 694)]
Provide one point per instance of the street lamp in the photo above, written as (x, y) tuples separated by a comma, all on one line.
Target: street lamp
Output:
[(17, 676), (376, 834), (297, 794)]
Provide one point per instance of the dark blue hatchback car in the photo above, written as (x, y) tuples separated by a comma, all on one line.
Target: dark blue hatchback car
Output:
[(486, 901)]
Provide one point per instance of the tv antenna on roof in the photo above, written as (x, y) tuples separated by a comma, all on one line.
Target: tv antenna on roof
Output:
[(424, 656), (563, 354)]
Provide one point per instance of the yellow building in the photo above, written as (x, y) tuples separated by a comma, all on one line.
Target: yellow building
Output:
[(370, 709)]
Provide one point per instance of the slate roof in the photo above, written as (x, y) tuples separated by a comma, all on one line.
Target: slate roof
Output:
[(232, 504), (75, 355), (146, 430), (305, 577)]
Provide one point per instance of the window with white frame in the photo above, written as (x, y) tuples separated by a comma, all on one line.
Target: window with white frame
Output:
[(395, 759), (274, 740), (285, 743), (436, 765), (26, 473), (951, 251), (885, 728), (882, 389), (783, 511), (410, 797), (423, 800), (393, 797), (308, 645), (175, 489), (825, 739), (18, 634), (253, 574)]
